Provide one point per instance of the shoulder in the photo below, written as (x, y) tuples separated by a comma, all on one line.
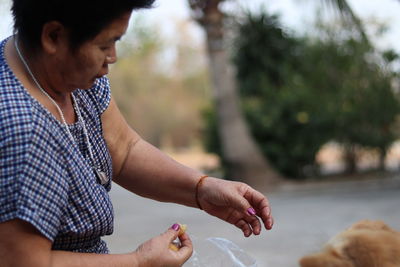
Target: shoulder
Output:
[(16, 114), (15, 104), (6, 75), (16, 108), (99, 96)]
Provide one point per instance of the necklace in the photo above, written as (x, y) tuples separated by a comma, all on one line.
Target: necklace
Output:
[(101, 175)]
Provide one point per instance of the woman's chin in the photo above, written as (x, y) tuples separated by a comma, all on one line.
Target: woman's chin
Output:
[(87, 85), (90, 83)]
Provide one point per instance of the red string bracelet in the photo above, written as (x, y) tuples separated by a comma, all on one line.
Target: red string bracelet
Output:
[(197, 190)]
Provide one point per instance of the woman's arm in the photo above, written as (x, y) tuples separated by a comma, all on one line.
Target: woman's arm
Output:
[(143, 169), (22, 245)]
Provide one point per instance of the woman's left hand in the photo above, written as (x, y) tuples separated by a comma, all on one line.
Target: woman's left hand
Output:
[(236, 203)]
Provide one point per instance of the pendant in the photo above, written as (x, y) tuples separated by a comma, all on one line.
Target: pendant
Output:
[(101, 176)]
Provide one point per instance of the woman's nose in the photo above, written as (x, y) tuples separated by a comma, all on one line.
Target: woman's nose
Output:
[(112, 57)]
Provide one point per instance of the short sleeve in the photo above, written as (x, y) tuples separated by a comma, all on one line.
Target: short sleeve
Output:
[(101, 94), (32, 184)]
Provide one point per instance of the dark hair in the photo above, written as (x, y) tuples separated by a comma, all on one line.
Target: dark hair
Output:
[(83, 18)]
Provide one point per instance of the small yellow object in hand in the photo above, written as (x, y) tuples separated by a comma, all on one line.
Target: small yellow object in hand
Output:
[(175, 245), (182, 229)]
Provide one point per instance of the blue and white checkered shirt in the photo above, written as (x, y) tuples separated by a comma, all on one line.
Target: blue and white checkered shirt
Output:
[(46, 179)]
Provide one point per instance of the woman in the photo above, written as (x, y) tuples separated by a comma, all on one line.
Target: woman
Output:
[(63, 139)]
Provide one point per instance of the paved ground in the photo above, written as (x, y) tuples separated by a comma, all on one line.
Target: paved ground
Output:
[(306, 217)]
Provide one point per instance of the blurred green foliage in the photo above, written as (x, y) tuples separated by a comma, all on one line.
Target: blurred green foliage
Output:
[(299, 93), (355, 82)]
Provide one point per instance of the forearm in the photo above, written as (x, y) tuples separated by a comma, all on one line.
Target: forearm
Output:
[(74, 259), (150, 173), (143, 169), (22, 245)]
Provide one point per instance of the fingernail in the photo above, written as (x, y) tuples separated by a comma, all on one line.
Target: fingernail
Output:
[(175, 226), (251, 211)]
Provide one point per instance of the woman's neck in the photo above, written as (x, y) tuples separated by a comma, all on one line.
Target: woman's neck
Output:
[(39, 68), (45, 74)]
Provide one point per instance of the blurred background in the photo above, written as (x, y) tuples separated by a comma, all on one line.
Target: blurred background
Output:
[(299, 98)]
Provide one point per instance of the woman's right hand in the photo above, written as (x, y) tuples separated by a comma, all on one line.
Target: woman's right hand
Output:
[(157, 252)]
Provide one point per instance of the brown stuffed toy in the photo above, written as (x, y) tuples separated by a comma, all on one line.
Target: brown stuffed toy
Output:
[(365, 244)]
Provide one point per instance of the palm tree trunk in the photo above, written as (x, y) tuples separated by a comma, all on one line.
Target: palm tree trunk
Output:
[(382, 158), (242, 156), (350, 159)]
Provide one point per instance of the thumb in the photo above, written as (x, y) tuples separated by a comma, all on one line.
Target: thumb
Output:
[(240, 203), (173, 232)]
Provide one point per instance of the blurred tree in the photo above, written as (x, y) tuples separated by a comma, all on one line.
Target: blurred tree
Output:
[(349, 19), (300, 93), (243, 158), (285, 112), (358, 84)]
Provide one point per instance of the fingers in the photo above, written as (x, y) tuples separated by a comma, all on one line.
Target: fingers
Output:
[(239, 202), (255, 225), (261, 205), (158, 249), (173, 232), (245, 227), (185, 250), (247, 223), (251, 206)]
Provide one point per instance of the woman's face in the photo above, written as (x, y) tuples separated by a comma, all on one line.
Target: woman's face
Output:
[(80, 69)]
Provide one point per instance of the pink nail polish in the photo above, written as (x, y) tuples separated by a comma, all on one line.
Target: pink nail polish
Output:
[(175, 226), (251, 211)]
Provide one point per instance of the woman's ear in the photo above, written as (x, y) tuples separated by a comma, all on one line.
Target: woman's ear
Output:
[(54, 37)]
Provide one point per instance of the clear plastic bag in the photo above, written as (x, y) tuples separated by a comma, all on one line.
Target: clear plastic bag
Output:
[(218, 252)]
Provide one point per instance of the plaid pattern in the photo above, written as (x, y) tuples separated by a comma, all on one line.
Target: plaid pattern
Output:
[(47, 180)]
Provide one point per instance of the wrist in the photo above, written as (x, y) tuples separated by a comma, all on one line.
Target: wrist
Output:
[(134, 259), (197, 194)]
